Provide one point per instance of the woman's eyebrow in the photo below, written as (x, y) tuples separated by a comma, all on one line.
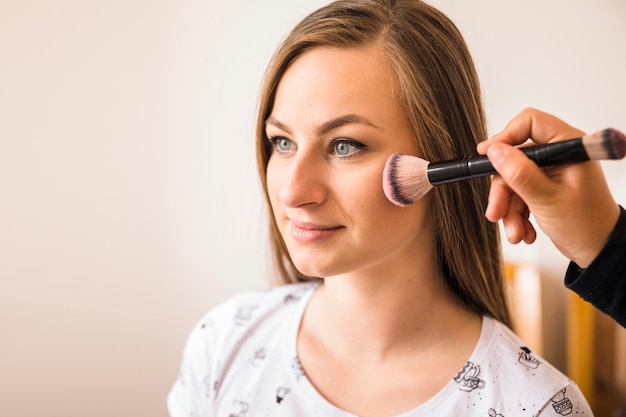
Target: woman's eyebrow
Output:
[(277, 123), (328, 125), (344, 120)]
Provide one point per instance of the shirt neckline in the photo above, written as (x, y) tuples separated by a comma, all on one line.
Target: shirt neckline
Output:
[(448, 393)]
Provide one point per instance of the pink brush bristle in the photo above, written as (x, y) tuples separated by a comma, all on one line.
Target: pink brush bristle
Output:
[(615, 143), (390, 181), (405, 180), (605, 144)]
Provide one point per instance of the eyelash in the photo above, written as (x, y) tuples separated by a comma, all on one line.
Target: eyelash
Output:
[(275, 141), (350, 142)]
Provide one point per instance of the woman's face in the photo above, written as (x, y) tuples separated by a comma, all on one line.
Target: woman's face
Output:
[(334, 123)]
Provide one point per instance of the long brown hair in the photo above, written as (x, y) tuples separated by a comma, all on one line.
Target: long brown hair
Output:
[(438, 87)]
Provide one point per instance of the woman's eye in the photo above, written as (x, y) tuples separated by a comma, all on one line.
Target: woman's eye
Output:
[(346, 147), (281, 144)]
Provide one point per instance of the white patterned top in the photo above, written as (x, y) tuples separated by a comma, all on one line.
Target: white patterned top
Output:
[(241, 361)]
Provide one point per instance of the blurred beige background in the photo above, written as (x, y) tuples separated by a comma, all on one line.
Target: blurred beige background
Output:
[(129, 203)]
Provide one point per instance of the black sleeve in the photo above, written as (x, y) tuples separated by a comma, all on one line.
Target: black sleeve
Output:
[(603, 282)]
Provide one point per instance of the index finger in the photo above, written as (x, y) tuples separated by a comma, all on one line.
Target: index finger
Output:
[(539, 126)]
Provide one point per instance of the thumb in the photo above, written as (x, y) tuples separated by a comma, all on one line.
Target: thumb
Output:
[(521, 174)]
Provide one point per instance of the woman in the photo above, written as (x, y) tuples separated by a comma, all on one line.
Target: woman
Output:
[(391, 311)]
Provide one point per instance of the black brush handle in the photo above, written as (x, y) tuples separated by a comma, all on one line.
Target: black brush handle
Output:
[(556, 153)]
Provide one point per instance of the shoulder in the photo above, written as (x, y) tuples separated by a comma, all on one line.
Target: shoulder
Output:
[(512, 379), (242, 312), (248, 307), (506, 350), (225, 338)]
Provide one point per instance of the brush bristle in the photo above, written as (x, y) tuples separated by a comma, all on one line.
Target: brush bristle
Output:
[(405, 179), (605, 144)]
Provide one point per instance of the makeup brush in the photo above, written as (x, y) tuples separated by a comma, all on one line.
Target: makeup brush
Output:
[(408, 178)]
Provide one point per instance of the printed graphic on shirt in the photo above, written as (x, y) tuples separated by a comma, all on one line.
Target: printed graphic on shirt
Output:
[(259, 357), (209, 385), (207, 323), (281, 393), (296, 295), (239, 409), (297, 368), (561, 403), (244, 314), (526, 358), (468, 377)]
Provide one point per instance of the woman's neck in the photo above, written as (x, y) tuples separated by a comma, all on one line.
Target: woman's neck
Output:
[(387, 315)]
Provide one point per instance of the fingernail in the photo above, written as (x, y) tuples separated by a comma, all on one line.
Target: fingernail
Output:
[(508, 230), (496, 154)]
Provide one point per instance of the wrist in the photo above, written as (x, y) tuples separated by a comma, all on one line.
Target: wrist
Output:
[(596, 242)]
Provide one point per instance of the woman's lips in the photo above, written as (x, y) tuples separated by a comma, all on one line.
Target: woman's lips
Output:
[(310, 232)]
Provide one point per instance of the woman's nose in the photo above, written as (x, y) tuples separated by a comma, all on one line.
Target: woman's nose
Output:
[(304, 183)]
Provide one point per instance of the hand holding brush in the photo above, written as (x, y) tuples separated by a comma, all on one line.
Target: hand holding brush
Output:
[(408, 178), (572, 205), (570, 202)]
